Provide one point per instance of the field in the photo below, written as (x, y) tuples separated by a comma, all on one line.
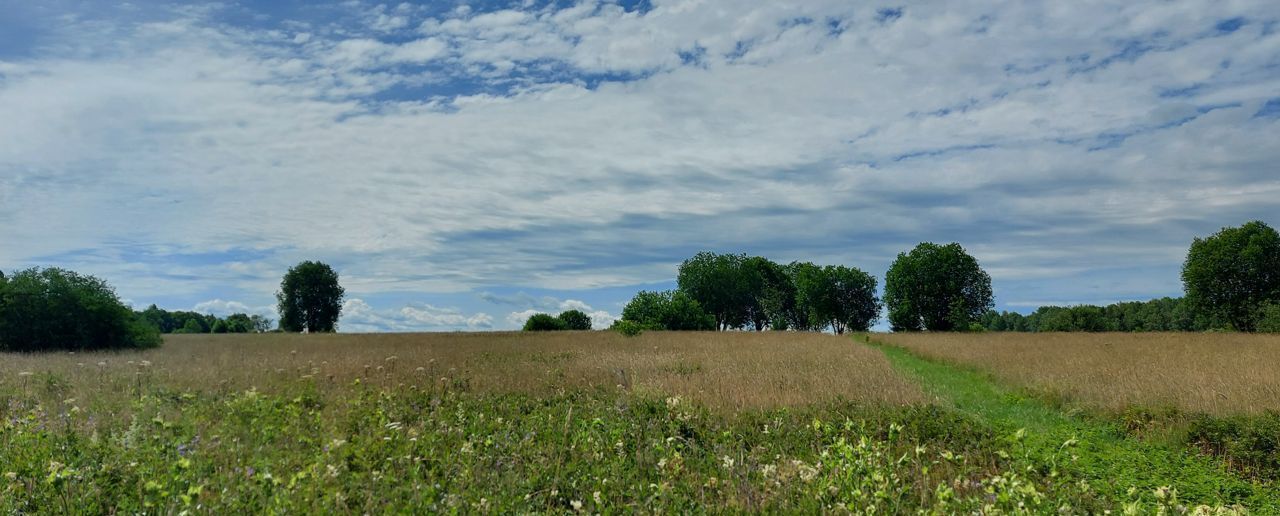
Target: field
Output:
[(1220, 374), (597, 422)]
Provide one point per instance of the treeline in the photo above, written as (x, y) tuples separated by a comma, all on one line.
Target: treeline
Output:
[(935, 287), (192, 322), (1164, 314), (736, 291)]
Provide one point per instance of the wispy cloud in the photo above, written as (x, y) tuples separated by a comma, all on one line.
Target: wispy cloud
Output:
[(194, 152)]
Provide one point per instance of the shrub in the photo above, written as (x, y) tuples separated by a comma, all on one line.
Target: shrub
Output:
[(56, 309), (543, 322), (575, 320), (1269, 318), (628, 328)]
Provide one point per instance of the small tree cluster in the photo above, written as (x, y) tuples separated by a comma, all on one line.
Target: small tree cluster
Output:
[(567, 320), (669, 310), (192, 322), (56, 309)]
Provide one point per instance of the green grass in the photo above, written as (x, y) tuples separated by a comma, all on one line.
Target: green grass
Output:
[(1103, 455)]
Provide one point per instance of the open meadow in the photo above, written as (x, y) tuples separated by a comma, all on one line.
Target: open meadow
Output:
[(1215, 373), (566, 422)]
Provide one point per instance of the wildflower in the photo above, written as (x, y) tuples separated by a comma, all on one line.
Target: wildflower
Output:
[(102, 364), (11, 476), (25, 374), (728, 462), (577, 505), (673, 402), (420, 370), (144, 363), (393, 358), (596, 496)]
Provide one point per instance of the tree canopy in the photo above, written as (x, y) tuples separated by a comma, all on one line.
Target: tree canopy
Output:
[(310, 298), (1233, 273), (56, 309), (936, 287), (575, 320)]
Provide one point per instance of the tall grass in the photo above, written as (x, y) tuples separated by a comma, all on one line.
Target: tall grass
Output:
[(720, 370), (1211, 373)]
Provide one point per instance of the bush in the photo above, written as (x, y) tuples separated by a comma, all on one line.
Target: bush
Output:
[(575, 320), (55, 309), (628, 328), (671, 310), (1269, 318), (543, 322)]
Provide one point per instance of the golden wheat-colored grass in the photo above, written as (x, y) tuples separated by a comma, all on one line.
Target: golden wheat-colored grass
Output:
[(1215, 373), (722, 370)]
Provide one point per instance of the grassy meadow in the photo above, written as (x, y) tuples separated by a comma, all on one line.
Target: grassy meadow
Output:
[(566, 422)]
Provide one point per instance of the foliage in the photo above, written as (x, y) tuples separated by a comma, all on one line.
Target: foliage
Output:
[(575, 320), (544, 322), (628, 328), (723, 285), (1269, 318), (1233, 272), (56, 309), (670, 310), (1164, 314), (310, 298), (937, 288), (1251, 444), (842, 298)]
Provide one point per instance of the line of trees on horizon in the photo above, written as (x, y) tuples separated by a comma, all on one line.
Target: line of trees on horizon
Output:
[(1231, 281), (934, 287)]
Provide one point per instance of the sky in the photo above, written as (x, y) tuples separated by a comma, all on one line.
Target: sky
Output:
[(464, 164)]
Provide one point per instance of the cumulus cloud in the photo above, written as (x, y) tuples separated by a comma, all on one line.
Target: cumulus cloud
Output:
[(359, 316), (1074, 148), (223, 308), (600, 319)]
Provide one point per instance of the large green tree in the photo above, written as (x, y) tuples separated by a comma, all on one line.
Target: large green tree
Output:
[(310, 298), (670, 310), (56, 309), (1231, 274), (936, 287), (575, 320), (721, 285), (841, 298)]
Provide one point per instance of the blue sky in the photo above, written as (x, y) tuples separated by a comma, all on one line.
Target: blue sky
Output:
[(464, 164)]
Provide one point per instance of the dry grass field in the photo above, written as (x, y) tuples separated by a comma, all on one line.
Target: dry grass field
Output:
[(720, 370), (1218, 374)]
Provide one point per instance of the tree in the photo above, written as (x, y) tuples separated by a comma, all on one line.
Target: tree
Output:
[(842, 298), (720, 284), (803, 314), (220, 326), (670, 310), (191, 326), (543, 322), (310, 298), (575, 320), (259, 324), (1231, 274), (238, 323), (56, 309), (936, 287)]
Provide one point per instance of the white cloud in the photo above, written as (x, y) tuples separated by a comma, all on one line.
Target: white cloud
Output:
[(807, 130), (223, 308), (600, 319), (358, 316)]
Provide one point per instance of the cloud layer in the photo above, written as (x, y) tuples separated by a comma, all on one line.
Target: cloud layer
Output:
[(194, 153)]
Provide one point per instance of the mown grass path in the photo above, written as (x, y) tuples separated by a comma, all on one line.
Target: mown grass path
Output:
[(1108, 459)]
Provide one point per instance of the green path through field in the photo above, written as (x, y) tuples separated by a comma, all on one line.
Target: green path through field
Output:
[(1107, 458)]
